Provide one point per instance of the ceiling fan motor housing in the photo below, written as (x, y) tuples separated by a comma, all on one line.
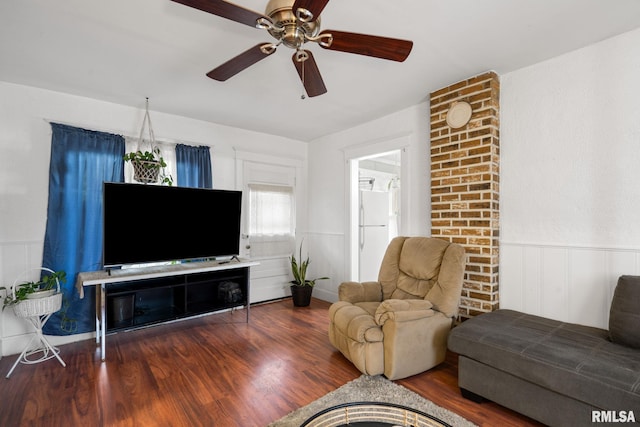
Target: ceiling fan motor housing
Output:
[(295, 30)]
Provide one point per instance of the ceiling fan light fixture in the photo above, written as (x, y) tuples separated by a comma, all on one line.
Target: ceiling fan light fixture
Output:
[(293, 37)]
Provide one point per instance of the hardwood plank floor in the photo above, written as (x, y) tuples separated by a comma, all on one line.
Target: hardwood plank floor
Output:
[(209, 371)]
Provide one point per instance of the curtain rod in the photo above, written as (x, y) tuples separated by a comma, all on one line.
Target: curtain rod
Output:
[(119, 132)]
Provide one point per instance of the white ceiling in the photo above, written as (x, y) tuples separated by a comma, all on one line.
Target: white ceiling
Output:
[(122, 51)]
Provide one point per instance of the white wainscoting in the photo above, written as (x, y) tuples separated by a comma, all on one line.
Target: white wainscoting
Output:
[(270, 279), (568, 283), (328, 258)]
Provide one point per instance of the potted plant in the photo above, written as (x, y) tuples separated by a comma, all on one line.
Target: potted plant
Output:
[(301, 287), (45, 287), (147, 166)]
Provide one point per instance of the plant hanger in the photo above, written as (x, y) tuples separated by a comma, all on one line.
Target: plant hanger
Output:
[(147, 164), (146, 122)]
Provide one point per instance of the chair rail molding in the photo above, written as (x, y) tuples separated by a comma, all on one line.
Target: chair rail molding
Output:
[(571, 283)]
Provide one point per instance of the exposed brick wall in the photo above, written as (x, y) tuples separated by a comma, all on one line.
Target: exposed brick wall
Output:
[(465, 185)]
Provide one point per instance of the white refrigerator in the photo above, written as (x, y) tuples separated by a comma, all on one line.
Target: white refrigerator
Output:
[(374, 232)]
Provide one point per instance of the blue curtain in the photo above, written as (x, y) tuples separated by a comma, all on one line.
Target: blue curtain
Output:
[(193, 166), (81, 160)]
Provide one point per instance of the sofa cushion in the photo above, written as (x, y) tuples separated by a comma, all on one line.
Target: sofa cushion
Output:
[(624, 316), (573, 360)]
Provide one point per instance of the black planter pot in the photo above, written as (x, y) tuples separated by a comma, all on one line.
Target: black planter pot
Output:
[(301, 295)]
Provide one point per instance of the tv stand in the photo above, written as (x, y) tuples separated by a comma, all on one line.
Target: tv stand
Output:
[(138, 297)]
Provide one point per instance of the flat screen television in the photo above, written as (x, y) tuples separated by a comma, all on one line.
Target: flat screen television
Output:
[(151, 223)]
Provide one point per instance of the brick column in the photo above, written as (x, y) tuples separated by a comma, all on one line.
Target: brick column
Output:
[(465, 185)]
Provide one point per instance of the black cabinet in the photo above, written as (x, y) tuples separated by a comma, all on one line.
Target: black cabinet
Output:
[(144, 302)]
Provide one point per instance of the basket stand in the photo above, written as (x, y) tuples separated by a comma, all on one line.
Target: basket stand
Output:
[(37, 312)]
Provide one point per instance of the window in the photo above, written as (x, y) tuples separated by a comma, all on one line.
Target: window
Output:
[(271, 220)]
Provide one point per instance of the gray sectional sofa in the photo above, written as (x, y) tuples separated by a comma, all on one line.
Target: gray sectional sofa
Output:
[(558, 373)]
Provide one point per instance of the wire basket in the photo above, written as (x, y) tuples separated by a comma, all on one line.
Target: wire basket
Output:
[(146, 171), (38, 306)]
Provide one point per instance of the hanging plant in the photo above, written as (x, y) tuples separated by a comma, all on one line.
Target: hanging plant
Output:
[(148, 165)]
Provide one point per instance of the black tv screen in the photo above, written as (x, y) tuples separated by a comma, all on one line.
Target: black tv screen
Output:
[(151, 223)]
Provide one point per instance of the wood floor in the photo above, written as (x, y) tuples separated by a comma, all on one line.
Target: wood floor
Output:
[(210, 371)]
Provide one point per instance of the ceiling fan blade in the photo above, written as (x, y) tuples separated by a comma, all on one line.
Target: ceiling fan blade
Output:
[(241, 62), (314, 6), (363, 44), (309, 75), (225, 10)]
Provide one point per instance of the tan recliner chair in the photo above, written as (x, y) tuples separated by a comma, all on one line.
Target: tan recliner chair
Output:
[(398, 326)]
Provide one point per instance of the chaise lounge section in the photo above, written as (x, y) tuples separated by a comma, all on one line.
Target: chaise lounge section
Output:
[(559, 373)]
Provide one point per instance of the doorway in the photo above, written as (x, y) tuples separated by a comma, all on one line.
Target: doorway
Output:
[(376, 207)]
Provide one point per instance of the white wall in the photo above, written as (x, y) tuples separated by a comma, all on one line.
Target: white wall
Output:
[(328, 232), (570, 193), (25, 139), (570, 181)]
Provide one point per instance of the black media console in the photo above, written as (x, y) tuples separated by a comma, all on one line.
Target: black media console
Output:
[(134, 298), (148, 301)]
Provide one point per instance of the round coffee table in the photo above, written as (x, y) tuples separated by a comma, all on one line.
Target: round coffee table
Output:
[(372, 414)]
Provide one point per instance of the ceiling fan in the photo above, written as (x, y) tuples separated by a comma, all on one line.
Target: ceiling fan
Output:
[(293, 23)]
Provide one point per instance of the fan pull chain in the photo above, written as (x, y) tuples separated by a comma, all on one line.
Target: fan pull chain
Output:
[(302, 56), (303, 95)]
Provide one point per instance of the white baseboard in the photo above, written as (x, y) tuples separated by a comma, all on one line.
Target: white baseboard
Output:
[(15, 344)]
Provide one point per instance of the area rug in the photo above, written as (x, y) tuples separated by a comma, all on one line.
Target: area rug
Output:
[(371, 389)]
